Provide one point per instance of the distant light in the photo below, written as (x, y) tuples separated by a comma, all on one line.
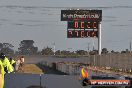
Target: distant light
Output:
[(77, 9)]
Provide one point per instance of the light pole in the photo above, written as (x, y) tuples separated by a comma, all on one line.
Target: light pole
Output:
[(88, 55), (53, 47), (88, 48), (94, 53), (130, 46)]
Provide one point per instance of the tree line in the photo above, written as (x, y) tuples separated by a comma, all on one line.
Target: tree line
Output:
[(26, 47)]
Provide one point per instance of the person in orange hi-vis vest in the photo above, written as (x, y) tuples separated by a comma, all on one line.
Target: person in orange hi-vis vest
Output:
[(85, 76), (84, 72)]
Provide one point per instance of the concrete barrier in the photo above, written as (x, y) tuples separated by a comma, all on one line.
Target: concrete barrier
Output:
[(15, 80)]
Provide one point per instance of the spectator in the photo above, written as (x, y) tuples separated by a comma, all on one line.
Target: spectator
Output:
[(17, 64), (6, 64), (22, 61), (1, 80), (1, 75)]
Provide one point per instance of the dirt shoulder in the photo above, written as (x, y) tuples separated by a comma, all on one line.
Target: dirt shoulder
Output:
[(30, 68), (38, 69)]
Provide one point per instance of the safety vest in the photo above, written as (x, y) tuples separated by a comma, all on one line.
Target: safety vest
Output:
[(2, 73), (7, 65), (12, 62), (84, 73)]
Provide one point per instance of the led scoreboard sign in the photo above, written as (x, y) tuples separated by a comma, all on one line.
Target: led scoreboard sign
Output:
[(81, 33), (82, 23)]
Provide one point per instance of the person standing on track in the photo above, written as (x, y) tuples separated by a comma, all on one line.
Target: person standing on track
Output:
[(85, 76), (6, 64), (18, 61), (22, 61), (1, 75)]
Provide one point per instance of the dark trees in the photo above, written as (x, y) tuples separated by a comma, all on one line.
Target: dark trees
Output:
[(27, 47)]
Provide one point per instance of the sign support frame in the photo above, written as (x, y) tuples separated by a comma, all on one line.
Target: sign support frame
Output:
[(99, 39)]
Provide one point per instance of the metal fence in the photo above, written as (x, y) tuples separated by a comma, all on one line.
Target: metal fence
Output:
[(119, 61)]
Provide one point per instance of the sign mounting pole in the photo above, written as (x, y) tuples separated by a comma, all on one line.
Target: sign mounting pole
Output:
[(99, 39)]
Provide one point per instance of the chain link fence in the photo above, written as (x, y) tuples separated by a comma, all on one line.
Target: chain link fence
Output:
[(117, 61)]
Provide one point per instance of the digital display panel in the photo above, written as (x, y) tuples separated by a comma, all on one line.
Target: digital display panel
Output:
[(81, 33), (88, 15), (82, 25)]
